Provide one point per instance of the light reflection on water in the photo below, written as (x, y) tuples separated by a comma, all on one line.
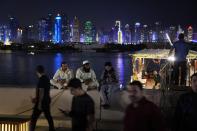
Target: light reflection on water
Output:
[(120, 65), (57, 61), (18, 68)]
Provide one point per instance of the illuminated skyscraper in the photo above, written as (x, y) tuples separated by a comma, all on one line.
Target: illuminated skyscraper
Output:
[(127, 38), (88, 33), (65, 29), (111, 35), (94, 33), (5, 34), (32, 33), (159, 33), (13, 26), (144, 34), (97, 37), (1, 33), (58, 29), (29, 34), (115, 32), (189, 33), (42, 30), (119, 34), (150, 33), (172, 32), (152, 36), (19, 35), (75, 30), (50, 27), (137, 33)]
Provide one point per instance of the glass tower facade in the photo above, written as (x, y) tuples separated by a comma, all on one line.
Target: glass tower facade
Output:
[(88, 32), (58, 29)]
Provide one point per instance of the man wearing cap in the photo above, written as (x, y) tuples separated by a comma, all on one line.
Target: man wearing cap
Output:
[(86, 75), (62, 76)]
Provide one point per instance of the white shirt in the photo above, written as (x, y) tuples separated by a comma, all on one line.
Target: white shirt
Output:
[(61, 75), (82, 75)]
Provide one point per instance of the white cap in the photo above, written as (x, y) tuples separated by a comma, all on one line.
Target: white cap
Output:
[(85, 62)]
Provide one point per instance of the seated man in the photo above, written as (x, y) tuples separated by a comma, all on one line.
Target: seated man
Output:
[(109, 84), (152, 73), (86, 75), (62, 76)]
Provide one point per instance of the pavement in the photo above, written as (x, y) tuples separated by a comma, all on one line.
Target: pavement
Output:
[(16, 102)]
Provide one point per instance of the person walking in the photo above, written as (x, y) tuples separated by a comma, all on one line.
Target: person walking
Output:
[(82, 110), (141, 114), (185, 116), (42, 100)]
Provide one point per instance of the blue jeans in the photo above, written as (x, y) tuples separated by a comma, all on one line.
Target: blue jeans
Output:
[(107, 90)]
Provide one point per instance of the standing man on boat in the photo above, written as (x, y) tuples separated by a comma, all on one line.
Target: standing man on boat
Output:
[(181, 51), (42, 100), (62, 76)]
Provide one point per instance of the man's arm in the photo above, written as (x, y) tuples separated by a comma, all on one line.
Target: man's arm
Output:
[(78, 74), (94, 78), (56, 76), (171, 51), (93, 75), (71, 75)]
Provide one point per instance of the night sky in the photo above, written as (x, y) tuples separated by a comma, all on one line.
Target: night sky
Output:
[(103, 12)]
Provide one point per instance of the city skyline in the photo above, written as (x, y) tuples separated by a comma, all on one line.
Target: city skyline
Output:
[(102, 13), (58, 30)]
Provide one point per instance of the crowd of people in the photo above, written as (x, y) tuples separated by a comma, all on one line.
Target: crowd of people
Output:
[(140, 115), (107, 83)]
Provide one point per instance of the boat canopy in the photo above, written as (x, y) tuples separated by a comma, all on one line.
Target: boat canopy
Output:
[(159, 54)]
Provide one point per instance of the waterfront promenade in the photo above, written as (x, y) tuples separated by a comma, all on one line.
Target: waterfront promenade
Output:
[(16, 102)]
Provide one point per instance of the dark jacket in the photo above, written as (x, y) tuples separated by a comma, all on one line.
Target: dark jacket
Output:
[(108, 77), (82, 107), (145, 117), (185, 116), (43, 91), (181, 50)]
